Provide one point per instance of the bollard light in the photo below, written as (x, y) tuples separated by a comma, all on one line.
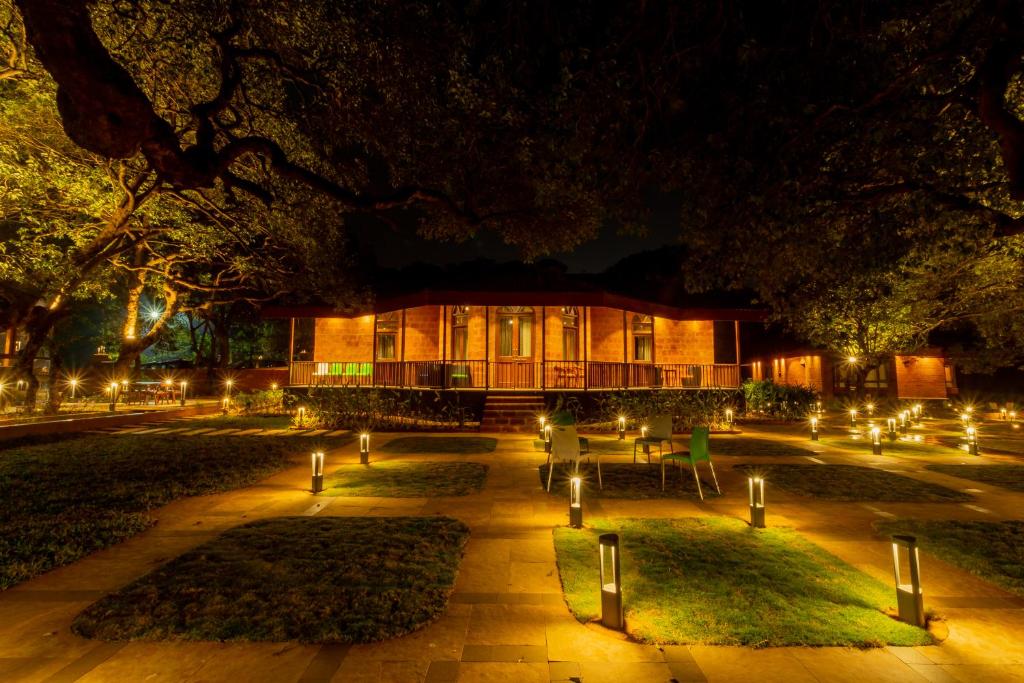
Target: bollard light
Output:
[(968, 409), (890, 423), (1002, 413), (909, 597), (73, 383), (871, 408), (819, 407), (814, 429), (972, 441), (225, 404), (966, 418), (228, 384), (853, 417), (300, 416), (184, 387), (755, 486), (904, 422), (113, 396), (1013, 415), (547, 438), (876, 441), (643, 432), (364, 449), (541, 420), (918, 411), (611, 581), (575, 503), (622, 428), (318, 471)]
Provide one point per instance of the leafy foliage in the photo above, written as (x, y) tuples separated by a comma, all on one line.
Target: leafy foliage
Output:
[(783, 401), (687, 408), (383, 409)]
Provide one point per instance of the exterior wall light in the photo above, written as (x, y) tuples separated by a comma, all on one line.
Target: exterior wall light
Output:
[(611, 581), (853, 417), (318, 471), (890, 423), (909, 597), (814, 429), (972, 441), (755, 486), (575, 503), (876, 441), (541, 420), (547, 438), (364, 449), (622, 428)]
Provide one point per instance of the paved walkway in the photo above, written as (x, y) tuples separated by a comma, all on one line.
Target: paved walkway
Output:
[(506, 620)]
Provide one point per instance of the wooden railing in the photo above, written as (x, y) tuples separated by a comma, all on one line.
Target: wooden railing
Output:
[(513, 374)]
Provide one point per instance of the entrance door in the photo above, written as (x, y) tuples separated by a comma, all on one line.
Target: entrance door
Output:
[(514, 369)]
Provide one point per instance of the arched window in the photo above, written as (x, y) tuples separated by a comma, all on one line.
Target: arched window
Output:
[(570, 333), (460, 332), (643, 338), (387, 335), (515, 331)]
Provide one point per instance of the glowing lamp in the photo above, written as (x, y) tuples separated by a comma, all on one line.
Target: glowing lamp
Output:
[(728, 418), (852, 360), (225, 404), (814, 429), (871, 408), (575, 503), (73, 383), (300, 416), (1013, 415), (643, 432), (113, 396), (965, 417), (890, 424), (904, 422), (819, 407), (273, 386), (541, 420), (622, 428), (364, 449), (909, 597), (184, 386), (972, 441), (918, 411), (228, 384), (318, 471), (755, 487), (876, 441), (1002, 413), (968, 409), (611, 581), (853, 417)]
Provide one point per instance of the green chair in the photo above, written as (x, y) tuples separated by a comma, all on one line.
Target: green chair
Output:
[(658, 432), (700, 449)]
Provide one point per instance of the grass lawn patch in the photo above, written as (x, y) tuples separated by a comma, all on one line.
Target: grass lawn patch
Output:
[(717, 581), (898, 447), (1006, 476), (720, 445), (64, 500), (312, 579), (466, 445), (242, 422), (406, 479), (626, 480), (852, 483), (993, 551)]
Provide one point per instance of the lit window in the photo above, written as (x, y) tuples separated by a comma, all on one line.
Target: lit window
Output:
[(387, 335), (570, 333), (643, 338), (460, 332)]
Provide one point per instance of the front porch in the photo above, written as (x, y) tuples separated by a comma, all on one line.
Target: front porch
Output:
[(559, 375)]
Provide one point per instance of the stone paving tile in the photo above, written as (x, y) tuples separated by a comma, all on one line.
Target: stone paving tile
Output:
[(619, 672), (856, 666), (505, 624), (773, 665), (503, 672)]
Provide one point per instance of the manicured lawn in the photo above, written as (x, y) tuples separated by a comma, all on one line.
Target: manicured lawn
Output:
[(852, 483), (1006, 476), (720, 445), (64, 500), (992, 550), (626, 480), (717, 581), (897, 447), (406, 479), (242, 422), (467, 445), (312, 579)]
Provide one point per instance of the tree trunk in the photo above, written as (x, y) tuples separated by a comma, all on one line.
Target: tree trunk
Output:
[(38, 328), (56, 395), (129, 356)]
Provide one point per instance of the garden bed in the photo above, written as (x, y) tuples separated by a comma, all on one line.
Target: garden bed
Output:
[(716, 581), (631, 481), (852, 483), (466, 445), (390, 479), (1005, 476), (311, 579)]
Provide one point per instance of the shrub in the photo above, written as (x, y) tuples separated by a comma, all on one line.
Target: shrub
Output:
[(365, 409), (261, 402), (782, 401), (687, 408)]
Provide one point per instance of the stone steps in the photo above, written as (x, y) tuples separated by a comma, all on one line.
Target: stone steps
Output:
[(511, 412)]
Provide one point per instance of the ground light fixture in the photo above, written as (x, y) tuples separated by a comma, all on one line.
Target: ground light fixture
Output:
[(541, 421), (870, 408), (814, 429), (909, 598), (184, 388), (225, 404), (890, 423), (1002, 413), (918, 411), (300, 416), (728, 418), (73, 383), (318, 471), (1013, 416), (364, 448), (113, 396), (755, 486), (965, 417), (972, 441), (622, 428), (876, 441), (576, 503), (904, 422), (547, 438), (853, 417), (643, 432), (273, 386), (611, 581)]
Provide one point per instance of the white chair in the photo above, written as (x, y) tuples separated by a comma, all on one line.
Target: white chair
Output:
[(565, 446), (658, 432)]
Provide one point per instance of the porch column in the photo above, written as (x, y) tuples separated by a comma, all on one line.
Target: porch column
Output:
[(403, 380), (487, 347), (444, 347), (291, 349), (543, 344), (625, 352), (736, 332), (586, 344), (373, 366)]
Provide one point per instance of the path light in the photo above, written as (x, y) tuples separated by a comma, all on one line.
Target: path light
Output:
[(225, 404), (972, 441), (113, 396), (871, 408), (364, 449), (966, 418), (318, 471), (547, 438), (876, 441), (1002, 413), (300, 416), (540, 434), (918, 411), (909, 597), (643, 432), (184, 388), (904, 422), (73, 383), (611, 581), (575, 503), (853, 417), (728, 419), (968, 409), (819, 407), (891, 424), (755, 485), (273, 386), (814, 429)]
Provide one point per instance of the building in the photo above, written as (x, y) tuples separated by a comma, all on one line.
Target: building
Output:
[(516, 341)]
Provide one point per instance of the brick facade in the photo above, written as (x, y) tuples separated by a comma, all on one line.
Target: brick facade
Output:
[(920, 377), (604, 332), (348, 339), (683, 341), (422, 339)]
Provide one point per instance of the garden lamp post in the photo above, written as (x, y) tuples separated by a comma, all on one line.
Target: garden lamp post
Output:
[(273, 386), (918, 411), (184, 388), (728, 419), (225, 404), (318, 471), (814, 428), (73, 383), (113, 396), (228, 384), (870, 408), (876, 441), (622, 428), (965, 417), (547, 438), (364, 448), (755, 486), (972, 441), (300, 416), (1002, 413), (541, 420), (643, 432), (575, 503), (853, 417), (890, 423), (611, 581), (904, 422), (909, 597)]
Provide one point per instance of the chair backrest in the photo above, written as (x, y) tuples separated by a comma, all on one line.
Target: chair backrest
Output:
[(700, 446), (660, 427), (565, 443), (563, 418)]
